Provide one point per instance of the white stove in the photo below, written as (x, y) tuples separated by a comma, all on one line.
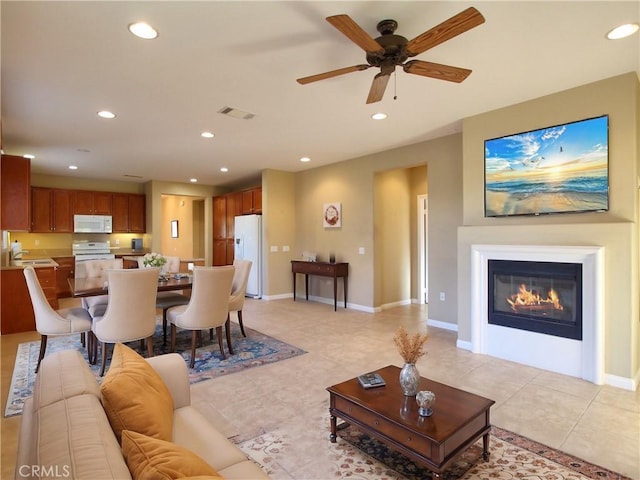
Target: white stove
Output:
[(83, 251)]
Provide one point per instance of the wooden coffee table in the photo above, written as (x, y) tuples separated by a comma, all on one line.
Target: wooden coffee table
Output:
[(459, 418)]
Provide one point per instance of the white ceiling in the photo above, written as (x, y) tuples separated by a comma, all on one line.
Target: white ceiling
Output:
[(64, 61)]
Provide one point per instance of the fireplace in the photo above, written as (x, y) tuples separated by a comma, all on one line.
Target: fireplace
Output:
[(543, 297), (582, 358)]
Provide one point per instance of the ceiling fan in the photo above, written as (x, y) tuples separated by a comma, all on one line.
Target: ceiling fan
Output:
[(389, 50)]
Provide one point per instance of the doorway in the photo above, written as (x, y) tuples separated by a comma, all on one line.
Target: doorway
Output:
[(187, 214), (423, 249)]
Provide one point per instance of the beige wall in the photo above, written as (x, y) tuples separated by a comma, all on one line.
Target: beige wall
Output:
[(278, 229), (616, 229), (352, 183), (76, 183), (155, 190), (190, 231), (392, 241)]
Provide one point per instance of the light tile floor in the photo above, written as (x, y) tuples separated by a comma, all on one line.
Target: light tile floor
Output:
[(600, 424)]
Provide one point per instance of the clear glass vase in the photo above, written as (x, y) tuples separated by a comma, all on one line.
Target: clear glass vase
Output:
[(409, 379)]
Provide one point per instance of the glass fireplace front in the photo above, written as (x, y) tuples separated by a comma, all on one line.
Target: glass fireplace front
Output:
[(542, 297)]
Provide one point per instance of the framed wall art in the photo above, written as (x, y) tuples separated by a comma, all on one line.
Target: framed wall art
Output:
[(332, 215)]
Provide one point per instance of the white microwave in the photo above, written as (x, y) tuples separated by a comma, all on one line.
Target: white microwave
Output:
[(92, 224)]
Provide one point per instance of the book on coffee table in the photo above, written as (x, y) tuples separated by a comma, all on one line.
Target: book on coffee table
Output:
[(371, 380)]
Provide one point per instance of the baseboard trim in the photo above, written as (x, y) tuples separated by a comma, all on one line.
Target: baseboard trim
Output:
[(444, 325), (621, 382)]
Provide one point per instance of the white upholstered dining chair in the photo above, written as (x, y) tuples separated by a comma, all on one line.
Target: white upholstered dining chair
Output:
[(208, 307), (98, 268), (166, 300), (239, 289), (53, 322), (131, 311)]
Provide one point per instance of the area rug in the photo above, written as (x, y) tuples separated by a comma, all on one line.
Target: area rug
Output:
[(511, 456), (357, 456), (251, 351)]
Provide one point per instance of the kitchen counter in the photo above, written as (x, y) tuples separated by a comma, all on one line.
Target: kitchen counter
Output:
[(35, 263)]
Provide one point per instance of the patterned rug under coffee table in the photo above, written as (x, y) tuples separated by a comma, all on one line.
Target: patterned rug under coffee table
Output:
[(251, 351), (356, 455)]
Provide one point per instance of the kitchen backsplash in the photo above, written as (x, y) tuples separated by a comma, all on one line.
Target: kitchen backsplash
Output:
[(37, 241)]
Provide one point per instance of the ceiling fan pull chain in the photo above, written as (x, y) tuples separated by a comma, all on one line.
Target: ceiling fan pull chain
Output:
[(395, 85)]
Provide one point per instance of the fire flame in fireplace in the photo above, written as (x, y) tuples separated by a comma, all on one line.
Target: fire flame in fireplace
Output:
[(533, 300)]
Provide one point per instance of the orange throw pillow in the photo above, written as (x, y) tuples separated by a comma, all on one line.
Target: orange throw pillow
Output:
[(134, 396), (152, 459)]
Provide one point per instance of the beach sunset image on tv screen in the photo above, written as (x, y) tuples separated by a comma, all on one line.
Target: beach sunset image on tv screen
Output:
[(558, 169)]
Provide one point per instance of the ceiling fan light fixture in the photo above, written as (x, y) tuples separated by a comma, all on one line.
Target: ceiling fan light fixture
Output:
[(29, 156), (379, 116), (193, 180), (207, 135), (143, 30), (73, 167), (224, 169), (305, 159)]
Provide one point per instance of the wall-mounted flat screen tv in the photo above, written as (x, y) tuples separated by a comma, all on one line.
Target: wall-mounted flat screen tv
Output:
[(559, 169)]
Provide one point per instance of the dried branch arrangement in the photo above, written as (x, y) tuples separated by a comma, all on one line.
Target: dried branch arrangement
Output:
[(410, 346)]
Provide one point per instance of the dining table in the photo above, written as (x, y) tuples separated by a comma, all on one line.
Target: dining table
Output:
[(91, 287)]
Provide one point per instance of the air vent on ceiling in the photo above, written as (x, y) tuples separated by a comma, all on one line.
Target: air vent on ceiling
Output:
[(133, 176), (235, 113)]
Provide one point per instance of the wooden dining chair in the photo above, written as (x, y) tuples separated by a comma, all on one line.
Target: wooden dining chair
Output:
[(131, 311), (208, 307), (53, 322)]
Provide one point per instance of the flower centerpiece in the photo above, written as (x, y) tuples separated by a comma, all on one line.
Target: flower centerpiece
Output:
[(153, 260), (411, 348)]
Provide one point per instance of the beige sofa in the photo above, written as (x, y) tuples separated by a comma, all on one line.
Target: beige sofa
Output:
[(65, 432)]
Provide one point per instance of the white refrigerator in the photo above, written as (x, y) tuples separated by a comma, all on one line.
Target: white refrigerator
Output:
[(248, 246)]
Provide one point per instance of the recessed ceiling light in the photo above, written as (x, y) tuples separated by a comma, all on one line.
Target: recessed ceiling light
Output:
[(73, 167), (224, 169), (379, 116), (193, 180), (207, 135), (143, 30), (623, 31), (29, 156), (106, 114), (305, 159)]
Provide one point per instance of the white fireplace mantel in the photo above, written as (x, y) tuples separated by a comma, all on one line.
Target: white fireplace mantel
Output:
[(583, 359)]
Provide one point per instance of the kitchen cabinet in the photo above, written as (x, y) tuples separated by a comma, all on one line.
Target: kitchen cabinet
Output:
[(137, 214), (87, 202), (51, 210), (64, 272), (15, 194), (225, 209), (16, 310), (234, 208), (252, 201), (128, 213)]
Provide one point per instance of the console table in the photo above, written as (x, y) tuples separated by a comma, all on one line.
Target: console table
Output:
[(322, 269)]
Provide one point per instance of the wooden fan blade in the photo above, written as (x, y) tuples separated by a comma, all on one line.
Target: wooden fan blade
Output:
[(448, 29), (436, 70), (331, 74), (378, 87), (355, 33)]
